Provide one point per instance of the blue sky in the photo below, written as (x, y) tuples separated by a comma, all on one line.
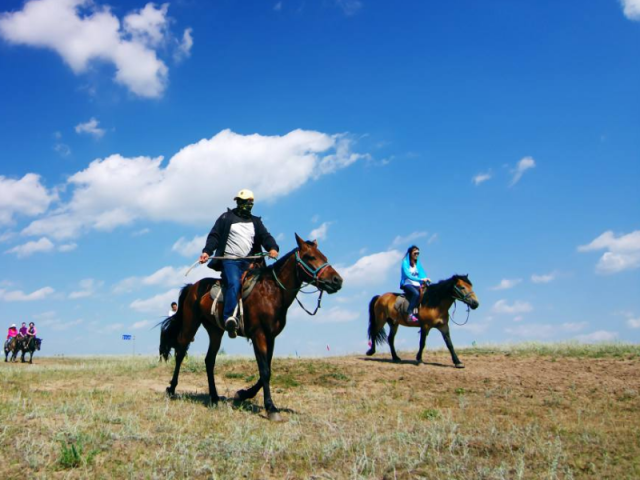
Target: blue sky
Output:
[(501, 137)]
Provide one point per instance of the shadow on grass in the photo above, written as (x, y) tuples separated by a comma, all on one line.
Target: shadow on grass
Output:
[(244, 405), (406, 362)]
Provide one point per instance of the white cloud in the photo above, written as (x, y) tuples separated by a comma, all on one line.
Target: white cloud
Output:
[(157, 304), (90, 127), (67, 247), (507, 283), (26, 196), (481, 178), (545, 331), (633, 322), (623, 251), (371, 269), (331, 315), (29, 248), (148, 26), (143, 324), (118, 191), (598, 336), (502, 306), (406, 241), (82, 32), (523, 165), (190, 248), (141, 232), (545, 278), (183, 49), (20, 296), (278, 6), (61, 326), (349, 7), (88, 287), (631, 9), (320, 233)]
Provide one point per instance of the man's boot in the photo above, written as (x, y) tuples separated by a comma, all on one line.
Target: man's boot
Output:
[(231, 326)]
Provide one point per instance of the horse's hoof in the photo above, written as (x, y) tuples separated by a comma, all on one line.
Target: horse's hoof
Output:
[(275, 417), (239, 396), (214, 401), (459, 365), (419, 361), (170, 392), (396, 360), (370, 352)]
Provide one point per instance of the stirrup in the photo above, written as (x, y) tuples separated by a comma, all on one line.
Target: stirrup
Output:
[(231, 326)]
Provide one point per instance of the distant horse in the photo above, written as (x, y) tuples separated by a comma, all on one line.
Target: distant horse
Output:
[(11, 346), (433, 312), (265, 316), (28, 345)]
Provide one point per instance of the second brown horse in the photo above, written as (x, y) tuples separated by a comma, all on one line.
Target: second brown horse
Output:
[(433, 312)]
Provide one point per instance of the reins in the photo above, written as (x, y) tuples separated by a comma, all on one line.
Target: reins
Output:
[(451, 317), (314, 273)]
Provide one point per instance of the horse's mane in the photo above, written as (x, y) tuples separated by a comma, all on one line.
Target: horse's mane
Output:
[(278, 263), (436, 292)]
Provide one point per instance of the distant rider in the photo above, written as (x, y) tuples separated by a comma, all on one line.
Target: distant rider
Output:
[(238, 234), (31, 333), (412, 278), (11, 334), (23, 330)]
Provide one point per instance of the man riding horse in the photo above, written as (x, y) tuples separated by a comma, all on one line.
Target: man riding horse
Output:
[(235, 235)]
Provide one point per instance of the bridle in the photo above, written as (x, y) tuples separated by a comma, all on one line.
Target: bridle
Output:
[(458, 294), (313, 273)]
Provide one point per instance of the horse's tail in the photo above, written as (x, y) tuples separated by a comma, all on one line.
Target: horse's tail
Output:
[(380, 336), (171, 326)]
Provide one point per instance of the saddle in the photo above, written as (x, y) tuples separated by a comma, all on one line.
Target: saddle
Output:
[(218, 290)]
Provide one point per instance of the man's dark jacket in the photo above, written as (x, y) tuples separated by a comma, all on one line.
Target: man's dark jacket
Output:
[(217, 238)]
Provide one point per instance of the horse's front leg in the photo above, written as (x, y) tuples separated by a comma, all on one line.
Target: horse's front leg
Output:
[(263, 347), (215, 338), (393, 329), (447, 339), (424, 332)]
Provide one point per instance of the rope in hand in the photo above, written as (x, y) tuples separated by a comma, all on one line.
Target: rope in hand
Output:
[(251, 257)]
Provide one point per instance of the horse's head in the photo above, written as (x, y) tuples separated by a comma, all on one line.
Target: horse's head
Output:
[(38, 343), (463, 291), (314, 267)]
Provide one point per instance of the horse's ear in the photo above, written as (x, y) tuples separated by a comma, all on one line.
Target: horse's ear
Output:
[(315, 243), (299, 241)]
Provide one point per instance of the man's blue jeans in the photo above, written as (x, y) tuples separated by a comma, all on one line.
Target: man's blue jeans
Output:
[(413, 295), (232, 270)]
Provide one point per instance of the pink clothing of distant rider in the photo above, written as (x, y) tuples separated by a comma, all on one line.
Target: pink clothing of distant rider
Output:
[(12, 332)]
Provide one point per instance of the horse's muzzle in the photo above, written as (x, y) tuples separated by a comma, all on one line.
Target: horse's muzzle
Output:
[(473, 304), (332, 284)]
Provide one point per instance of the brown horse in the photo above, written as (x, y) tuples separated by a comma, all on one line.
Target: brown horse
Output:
[(265, 316), (11, 346), (433, 312)]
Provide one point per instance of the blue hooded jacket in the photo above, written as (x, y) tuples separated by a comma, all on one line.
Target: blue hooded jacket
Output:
[(405, 272)]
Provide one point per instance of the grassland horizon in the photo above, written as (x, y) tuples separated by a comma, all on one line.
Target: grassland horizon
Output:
[(517, 411)]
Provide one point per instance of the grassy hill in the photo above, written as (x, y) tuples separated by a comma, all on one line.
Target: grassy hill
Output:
[(531, 411)]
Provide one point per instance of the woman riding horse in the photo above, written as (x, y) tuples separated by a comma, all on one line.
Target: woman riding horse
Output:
[(433, 312), (265, 315)]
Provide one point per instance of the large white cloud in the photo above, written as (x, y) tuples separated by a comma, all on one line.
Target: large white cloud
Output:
[(631, 9), (81, 32), (26, 196), (200, 178), (623, 252), (371, 269)]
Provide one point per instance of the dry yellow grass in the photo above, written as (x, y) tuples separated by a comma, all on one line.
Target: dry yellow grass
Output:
[(526, 412)]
